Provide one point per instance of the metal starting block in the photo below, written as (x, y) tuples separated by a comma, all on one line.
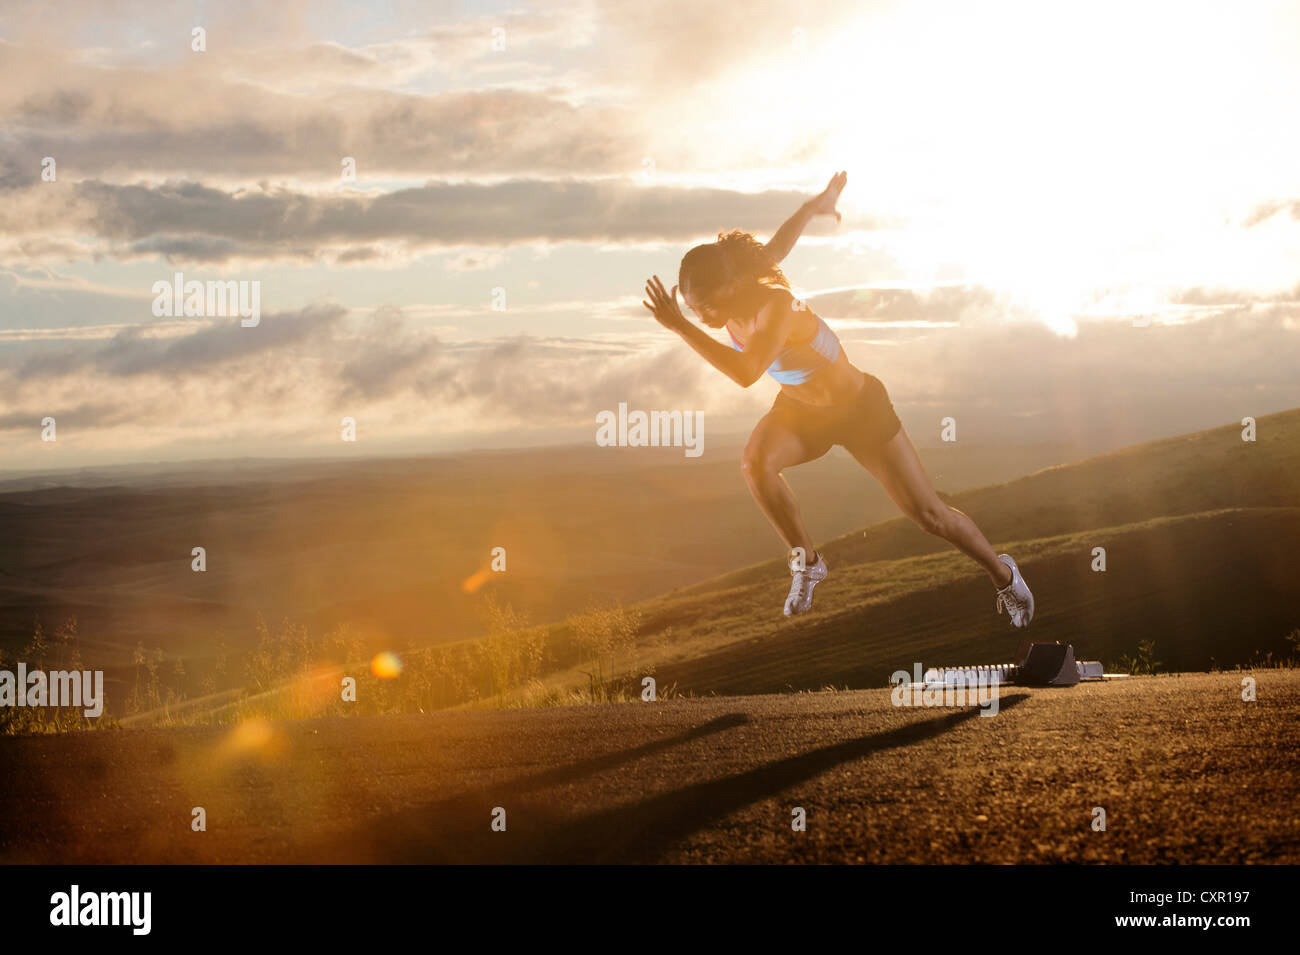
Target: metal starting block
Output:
[(1036, 664)]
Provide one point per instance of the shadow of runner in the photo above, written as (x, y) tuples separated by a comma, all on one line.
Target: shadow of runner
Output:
[(642, 832), (456, 830)]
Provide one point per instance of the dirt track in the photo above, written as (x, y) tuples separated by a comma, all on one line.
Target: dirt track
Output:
[(1185, 771)]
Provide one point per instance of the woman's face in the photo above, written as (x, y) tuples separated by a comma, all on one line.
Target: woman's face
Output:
[(713, 307)]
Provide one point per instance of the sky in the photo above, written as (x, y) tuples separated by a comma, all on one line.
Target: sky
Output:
[(1061, 220)]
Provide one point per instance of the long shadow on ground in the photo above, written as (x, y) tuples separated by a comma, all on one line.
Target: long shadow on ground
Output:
[(456, 830)]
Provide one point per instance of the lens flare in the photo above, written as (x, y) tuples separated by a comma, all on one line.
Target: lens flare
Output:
[(255, 739), (472, 583), (386, 665), (250, 736)]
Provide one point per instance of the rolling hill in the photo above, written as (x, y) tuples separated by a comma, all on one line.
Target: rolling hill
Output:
[(1200, 534), (396, 546)]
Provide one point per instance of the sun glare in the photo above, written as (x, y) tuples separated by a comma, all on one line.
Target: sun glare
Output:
[(1045, 151)]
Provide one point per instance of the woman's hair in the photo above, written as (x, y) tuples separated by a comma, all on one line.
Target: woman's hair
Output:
[(736, 255)]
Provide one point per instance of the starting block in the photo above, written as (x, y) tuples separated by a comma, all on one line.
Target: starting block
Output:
[(1046, 664), (1036, 664)]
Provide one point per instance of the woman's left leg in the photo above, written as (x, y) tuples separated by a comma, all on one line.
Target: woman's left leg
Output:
[(898, 468)]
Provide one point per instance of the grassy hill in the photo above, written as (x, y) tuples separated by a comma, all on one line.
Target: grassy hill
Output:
[(1200, 533), (393, 547)]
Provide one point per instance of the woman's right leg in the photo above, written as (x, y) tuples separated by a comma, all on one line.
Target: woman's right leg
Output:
[(773, 446), (898, 468)]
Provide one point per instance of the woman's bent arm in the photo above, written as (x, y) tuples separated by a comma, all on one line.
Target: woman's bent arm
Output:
[(743, 367), (734, 364), (764, 345)]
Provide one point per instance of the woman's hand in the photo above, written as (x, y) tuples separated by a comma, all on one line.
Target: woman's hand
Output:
[(664, 309), (824, 204)]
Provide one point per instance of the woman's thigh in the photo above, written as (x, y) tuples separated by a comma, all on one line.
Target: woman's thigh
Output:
[(777, 442), (898, 468)]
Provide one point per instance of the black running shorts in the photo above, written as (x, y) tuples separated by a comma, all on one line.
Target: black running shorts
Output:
[(862, 425)]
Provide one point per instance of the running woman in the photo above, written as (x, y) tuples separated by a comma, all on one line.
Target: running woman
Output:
[(736, 283)]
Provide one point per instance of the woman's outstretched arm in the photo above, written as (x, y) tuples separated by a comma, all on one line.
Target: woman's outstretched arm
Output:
[(780, 244)]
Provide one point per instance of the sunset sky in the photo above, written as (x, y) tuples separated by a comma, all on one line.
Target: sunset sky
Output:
[(1059, 218)]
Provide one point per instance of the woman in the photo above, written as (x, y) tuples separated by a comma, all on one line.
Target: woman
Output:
[(736, 283)]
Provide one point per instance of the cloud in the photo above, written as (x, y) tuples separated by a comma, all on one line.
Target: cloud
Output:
[(940, 303), (297, 370), (385, 355), (85, 415), (190, 120), (234, 157), (566, 96), (682, 46), (189, 221), (221, 378), (1266, 210), (133, 351), (473, 261)]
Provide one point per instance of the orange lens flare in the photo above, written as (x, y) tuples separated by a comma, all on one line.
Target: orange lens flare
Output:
[(386, 665), (472, 583)]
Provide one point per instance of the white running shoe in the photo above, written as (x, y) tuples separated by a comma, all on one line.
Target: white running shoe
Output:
[(1015, 596), (799, 600)]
